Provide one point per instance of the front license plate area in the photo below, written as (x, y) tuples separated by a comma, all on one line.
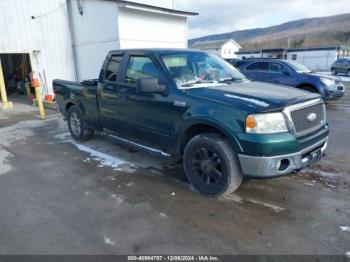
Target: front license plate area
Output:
[(315, 156)]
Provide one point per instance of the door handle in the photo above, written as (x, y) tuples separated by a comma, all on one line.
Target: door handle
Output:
[(123, 93)]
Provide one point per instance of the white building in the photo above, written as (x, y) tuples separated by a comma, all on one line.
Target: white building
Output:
[(248, 54), (69, 39), (317, 58), (225, 48)]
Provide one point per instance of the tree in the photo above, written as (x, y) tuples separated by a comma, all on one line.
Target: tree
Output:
[(298, 43)]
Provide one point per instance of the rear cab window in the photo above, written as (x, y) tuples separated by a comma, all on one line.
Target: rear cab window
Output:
[(112, 68)]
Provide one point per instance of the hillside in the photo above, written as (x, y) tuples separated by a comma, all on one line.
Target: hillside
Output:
[(319, 31)]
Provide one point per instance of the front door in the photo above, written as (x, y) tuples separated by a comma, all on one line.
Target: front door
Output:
[(145, 117)]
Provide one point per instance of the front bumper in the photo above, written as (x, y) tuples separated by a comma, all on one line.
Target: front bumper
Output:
[(336, 94), (273, 166)]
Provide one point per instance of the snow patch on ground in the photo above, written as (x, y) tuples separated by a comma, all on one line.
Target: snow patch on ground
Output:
[(347, 254), (232, 197), (12, 134), (104, 160), (108, 241), (268, 205), (163, 215), (345, 228), (341, 77), (4, 166), (118, 199)]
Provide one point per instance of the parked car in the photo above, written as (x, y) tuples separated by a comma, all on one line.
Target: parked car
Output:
[(232, 61), (240, 63), (237, 62), (341, 65), (222, 125), (293, 74)]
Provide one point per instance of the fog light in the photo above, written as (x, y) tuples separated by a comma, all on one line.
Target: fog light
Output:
[(284, 164)]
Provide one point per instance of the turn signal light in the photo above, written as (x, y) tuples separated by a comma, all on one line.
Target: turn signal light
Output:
[(250, 122)]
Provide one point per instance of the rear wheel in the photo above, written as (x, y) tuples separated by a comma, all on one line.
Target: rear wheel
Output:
[(211, 165), (77, 126), (334, 72)]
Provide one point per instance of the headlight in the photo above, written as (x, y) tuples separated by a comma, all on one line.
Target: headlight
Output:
[(268, 123), (328, 82)]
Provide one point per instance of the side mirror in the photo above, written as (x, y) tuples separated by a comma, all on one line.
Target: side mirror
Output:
[(150, 85)]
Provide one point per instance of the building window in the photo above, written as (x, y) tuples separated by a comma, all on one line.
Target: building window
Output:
[(229, 51), (294, 56), (224, 51)]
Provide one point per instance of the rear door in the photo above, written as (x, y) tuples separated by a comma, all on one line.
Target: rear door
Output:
[(107, 92), (257, 71)]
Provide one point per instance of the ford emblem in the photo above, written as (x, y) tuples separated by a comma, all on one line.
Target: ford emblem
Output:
[(311, 117)]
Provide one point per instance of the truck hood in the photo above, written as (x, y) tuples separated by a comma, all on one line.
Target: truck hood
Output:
[(255, 96)]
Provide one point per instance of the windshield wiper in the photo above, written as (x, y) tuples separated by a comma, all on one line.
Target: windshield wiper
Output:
[(230, 80), (197, 82)]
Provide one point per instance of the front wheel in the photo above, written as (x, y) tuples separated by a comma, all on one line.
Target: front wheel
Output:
[(77, 126), (211, 165)]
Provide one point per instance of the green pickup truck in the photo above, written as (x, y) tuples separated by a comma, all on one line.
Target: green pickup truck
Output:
[(194, 106)]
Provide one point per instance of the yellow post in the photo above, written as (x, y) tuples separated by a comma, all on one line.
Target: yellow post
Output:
[(40, 102), (4, 104), (36, 84)]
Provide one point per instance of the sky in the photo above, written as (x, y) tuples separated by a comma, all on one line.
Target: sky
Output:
[(219, 16)]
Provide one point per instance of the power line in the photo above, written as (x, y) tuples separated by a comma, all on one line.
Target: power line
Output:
[(207, 19), (49, 12)]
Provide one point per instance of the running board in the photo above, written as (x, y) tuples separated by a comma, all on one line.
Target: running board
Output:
[(147, 148)]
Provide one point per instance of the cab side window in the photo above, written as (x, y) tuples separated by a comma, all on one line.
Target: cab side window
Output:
[(258, 66), (140, 67), (113, 68)]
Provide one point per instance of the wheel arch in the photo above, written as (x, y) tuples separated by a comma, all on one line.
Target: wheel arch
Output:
[(306, 84), (194, 128)]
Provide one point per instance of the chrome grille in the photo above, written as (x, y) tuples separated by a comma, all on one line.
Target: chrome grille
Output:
[(307, 118)]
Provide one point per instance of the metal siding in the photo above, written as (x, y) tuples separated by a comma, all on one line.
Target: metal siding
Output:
[(49, 34), (317, 60), (94, 34)]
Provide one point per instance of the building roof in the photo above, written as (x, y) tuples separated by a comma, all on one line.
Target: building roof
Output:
[(273, 50), (313, 49), (213, 44), (248, 52), (146, 7)]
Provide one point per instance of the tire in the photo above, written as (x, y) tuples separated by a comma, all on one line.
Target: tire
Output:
[(308, 88), (211, 165), (77, 126), (334, 72)]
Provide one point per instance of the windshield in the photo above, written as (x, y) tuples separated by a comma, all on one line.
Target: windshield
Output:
[(299, 67), (200, 69)]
